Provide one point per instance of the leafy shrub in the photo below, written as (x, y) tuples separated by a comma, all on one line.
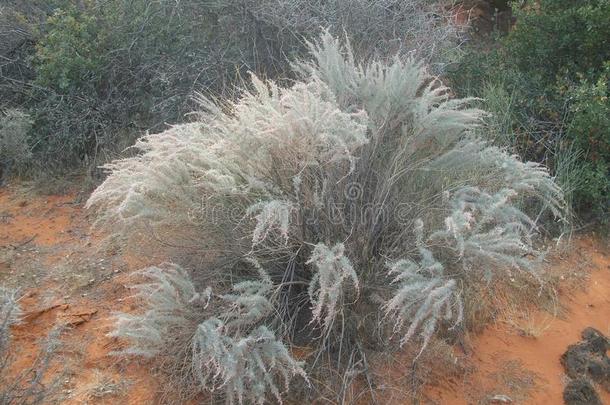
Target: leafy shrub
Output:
[(562, 37), (546, 84), (589, 131), (353, 206), (101, 73), (15, 152)]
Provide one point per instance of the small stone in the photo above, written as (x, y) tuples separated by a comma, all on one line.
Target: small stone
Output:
[(500, 399)]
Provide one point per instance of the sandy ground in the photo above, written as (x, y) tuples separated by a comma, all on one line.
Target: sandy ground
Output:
[(527, 368), (48, 251)]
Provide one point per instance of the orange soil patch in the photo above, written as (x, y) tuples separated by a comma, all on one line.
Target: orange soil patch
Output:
[(501, 343), (53, 230), (44, 221)]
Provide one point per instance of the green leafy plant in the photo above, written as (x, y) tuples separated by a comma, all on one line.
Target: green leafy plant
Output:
[(546, 85), (94, 76)]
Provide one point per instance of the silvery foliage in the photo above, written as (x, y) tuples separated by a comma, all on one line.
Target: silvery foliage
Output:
[(171, 301), (10, 314), (270, 214), (424, 296), (247, 362), (247, 367), (435, 207), (228, 351), (328, 284)]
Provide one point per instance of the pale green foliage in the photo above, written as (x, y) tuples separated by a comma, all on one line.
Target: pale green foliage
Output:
[(329, 283), (323, 184), (271, 214), (230, 154), (10, 314), (485, 228), (229, 353), (171, 308), (246, 367), (248, 303), (424, 294)]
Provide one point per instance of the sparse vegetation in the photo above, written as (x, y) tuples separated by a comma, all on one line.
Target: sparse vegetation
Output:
[(15, 151), (326, 201), (308, 203), (24, 387)]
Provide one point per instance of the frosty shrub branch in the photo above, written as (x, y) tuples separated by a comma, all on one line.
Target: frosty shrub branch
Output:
[(283, 270)]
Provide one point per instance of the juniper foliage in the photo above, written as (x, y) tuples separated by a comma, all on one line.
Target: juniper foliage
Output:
[(362, 191)]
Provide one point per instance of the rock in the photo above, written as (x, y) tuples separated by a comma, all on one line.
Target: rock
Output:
[(580, 392), (585, 361), (500, 399), (588, 358), (78, 316), (596, 340)]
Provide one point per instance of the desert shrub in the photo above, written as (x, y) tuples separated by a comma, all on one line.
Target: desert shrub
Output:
[(23, 387), (589, 132), (96, 73), (546, 84), (15, 151), (346, 212)]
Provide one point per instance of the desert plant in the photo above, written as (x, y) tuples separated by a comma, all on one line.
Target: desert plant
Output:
[(15, 152), (589, 134), (351, 206), (10, 314), (93, 74), (546, 83)]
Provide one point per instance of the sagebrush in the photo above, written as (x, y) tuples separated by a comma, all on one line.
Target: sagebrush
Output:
[(346, 212)]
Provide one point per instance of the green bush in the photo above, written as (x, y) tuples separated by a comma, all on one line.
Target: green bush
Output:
[(589, 130), (100, 70), (100, 73), (546, 86), (560, 37)]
